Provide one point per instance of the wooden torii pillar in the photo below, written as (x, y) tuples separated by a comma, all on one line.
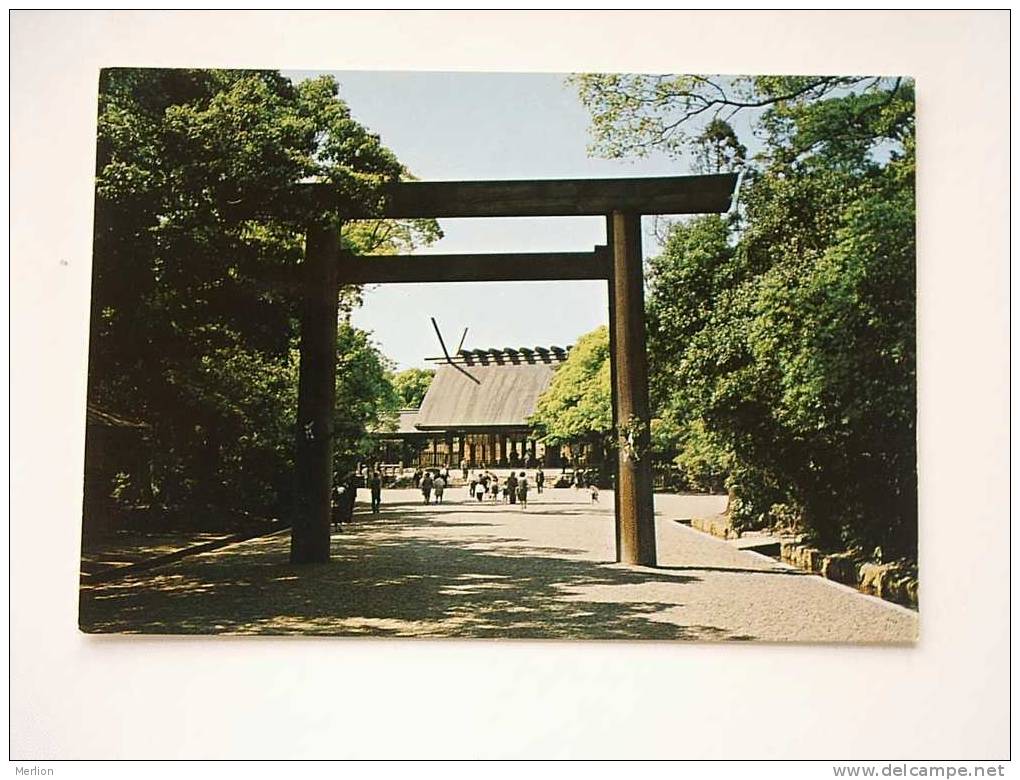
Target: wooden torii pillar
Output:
[(313, 460), (635, 511), (622, 202)]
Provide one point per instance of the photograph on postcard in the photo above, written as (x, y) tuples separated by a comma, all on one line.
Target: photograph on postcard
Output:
[(502, 355)]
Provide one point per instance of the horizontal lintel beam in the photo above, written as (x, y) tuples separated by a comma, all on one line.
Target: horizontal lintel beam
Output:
[(516, 267), (706, 194)]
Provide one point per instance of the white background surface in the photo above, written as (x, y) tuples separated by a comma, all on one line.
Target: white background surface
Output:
[(75, 696)]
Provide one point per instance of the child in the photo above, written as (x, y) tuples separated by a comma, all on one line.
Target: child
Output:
[(594, 493)]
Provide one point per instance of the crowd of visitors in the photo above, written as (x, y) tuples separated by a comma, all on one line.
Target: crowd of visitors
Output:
[(513, 489), (481, 486), (433, 483)]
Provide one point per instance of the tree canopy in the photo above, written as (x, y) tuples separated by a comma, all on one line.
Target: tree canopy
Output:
[(782, 337), (194, 305), (411, 385), (635, 114), (577, 405)]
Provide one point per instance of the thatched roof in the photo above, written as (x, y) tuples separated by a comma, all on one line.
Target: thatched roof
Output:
[(408, 418), (488, 388)]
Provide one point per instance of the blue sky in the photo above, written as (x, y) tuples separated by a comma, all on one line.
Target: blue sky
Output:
[(487, 126)]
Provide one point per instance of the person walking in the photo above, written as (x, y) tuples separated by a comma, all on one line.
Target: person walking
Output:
[(494, 489), (339, 500), (426, 487), (439, 485), (375, 486), (345, 493), (594, 489), (539, 480), (522, 490), (480, 490), (464, 468), (511, 486)]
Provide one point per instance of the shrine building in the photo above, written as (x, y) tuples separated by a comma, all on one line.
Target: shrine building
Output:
[(476, 411)]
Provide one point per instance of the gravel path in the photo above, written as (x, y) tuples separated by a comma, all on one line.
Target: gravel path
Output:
[(485, 570)]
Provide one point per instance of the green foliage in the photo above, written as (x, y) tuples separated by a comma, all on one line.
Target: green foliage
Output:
[(365, 395), (412, 384), (194, 313), (634, 114), (717, 148), (577, 405), (782, 339)]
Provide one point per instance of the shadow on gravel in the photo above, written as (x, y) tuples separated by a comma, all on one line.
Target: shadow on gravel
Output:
[(394, 576)]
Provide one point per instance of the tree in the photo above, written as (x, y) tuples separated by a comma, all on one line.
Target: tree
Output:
[(634, 114), (782, 337), (194, 311), (365, 395), (412, 384), (577, 405), (688, 287), (717, 148)]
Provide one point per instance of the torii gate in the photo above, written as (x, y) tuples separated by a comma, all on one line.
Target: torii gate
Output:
[(622, 201)]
